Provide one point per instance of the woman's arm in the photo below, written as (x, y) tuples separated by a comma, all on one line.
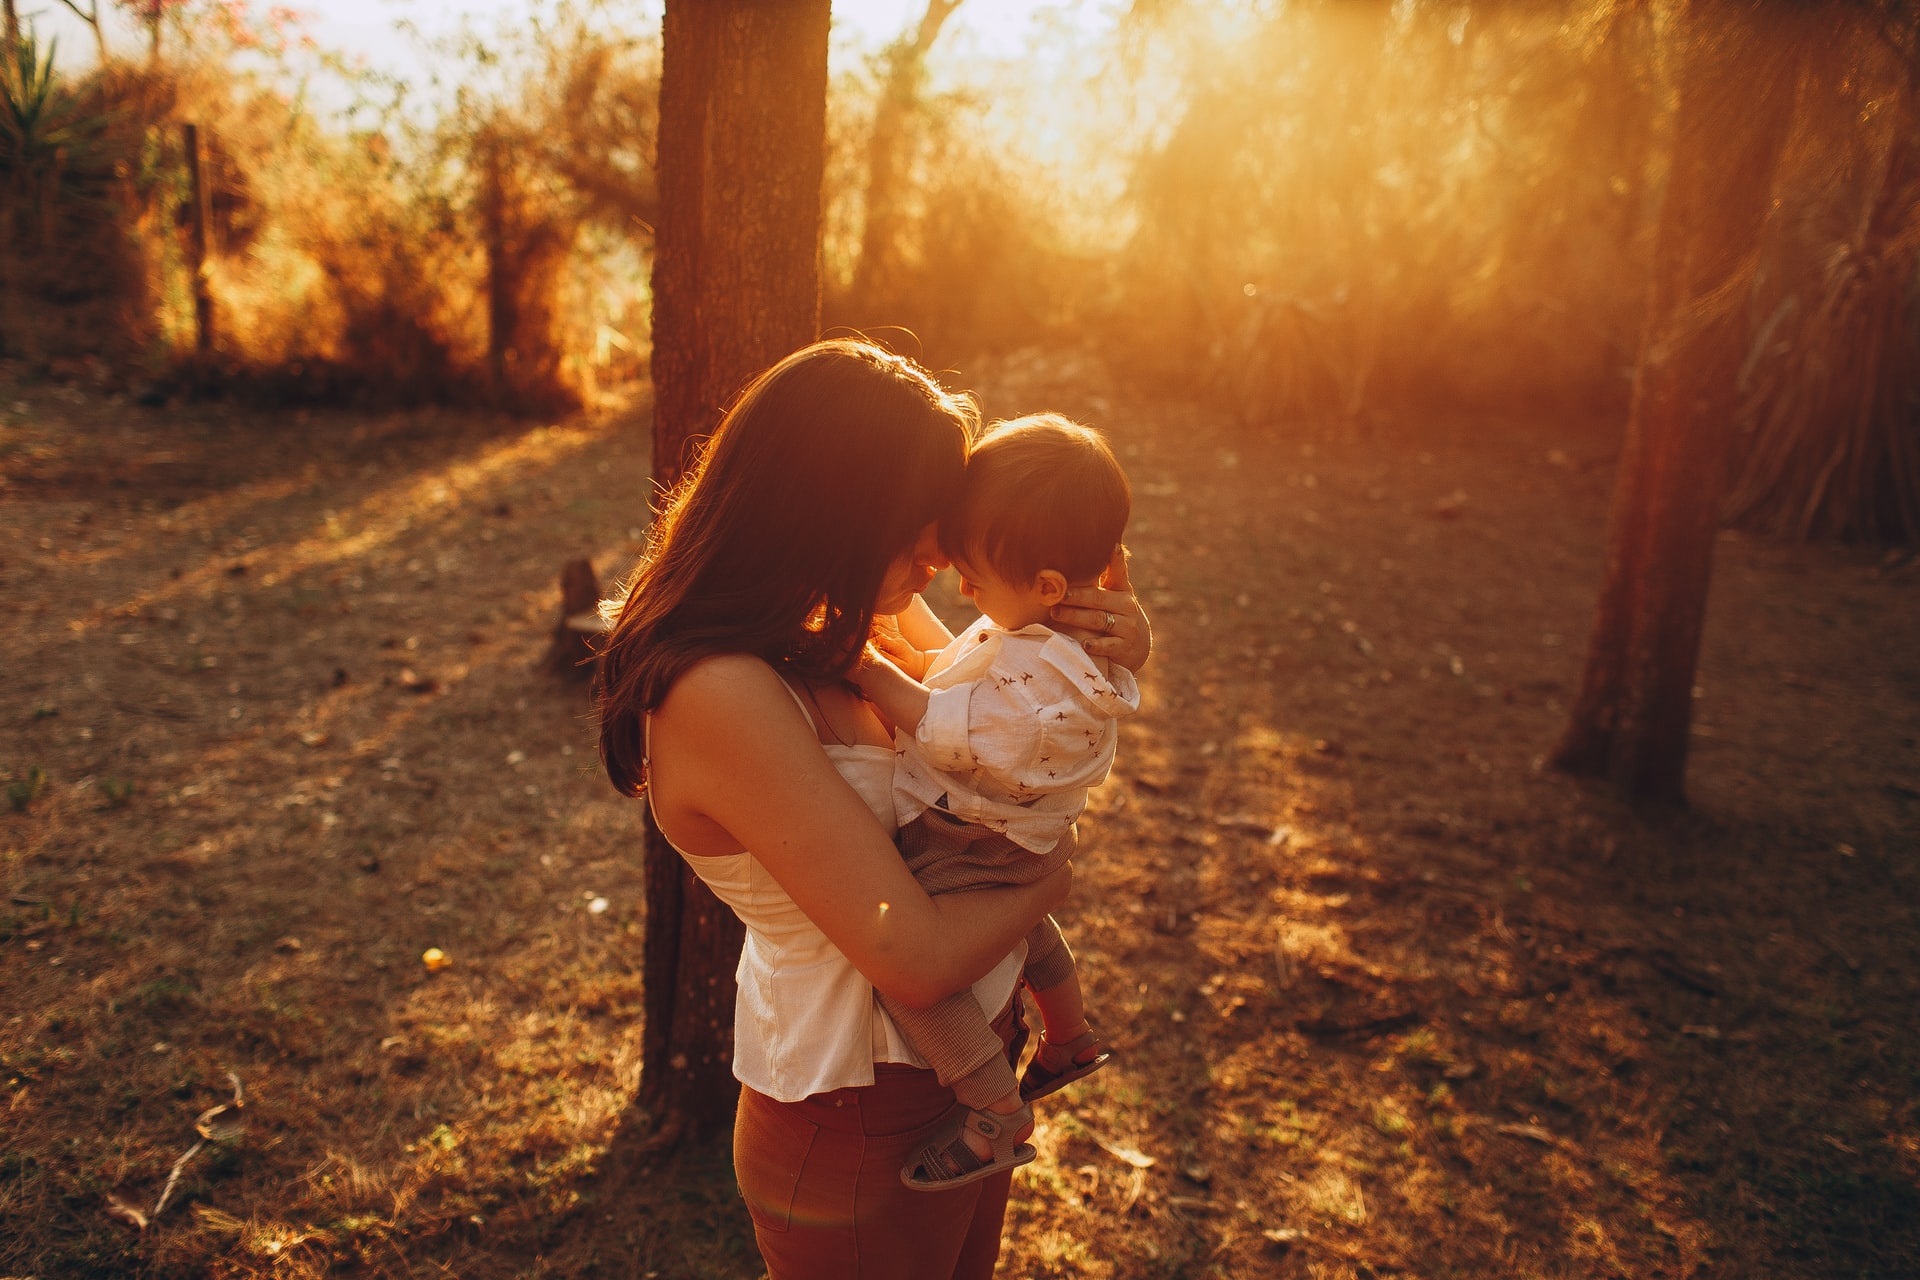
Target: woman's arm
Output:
[(731, 752)]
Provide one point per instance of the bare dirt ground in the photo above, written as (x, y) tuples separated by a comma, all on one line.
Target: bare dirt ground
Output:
[(1392, 1000)]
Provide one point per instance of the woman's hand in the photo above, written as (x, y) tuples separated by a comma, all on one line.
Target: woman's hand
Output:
[(1108, 619)]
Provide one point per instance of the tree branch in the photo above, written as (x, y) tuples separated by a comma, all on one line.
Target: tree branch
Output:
[(90, 16)]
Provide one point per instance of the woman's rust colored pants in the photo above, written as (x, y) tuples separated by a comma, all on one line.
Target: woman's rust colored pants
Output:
[(821, 1179)]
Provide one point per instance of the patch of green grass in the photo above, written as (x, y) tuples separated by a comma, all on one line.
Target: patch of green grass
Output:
[(168, 991), (1389, 1119), (22, 792)]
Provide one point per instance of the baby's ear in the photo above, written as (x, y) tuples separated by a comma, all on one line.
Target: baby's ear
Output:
[(1052, 586)]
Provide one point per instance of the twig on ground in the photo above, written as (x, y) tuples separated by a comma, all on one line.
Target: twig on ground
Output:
[(221, 1123)]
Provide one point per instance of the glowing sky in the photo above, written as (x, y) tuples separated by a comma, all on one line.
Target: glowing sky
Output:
[(365, 28)]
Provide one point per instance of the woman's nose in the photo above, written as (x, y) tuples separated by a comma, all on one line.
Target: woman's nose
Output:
[(928, 553)]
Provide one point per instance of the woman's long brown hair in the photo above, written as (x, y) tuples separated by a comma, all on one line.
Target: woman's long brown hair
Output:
[(777, 540)]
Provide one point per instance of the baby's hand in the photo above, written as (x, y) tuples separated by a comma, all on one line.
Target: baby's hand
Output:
[(887, 642), (868, 670)]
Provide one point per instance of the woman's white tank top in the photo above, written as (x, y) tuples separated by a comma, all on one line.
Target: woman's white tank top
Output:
[(805, 1020)]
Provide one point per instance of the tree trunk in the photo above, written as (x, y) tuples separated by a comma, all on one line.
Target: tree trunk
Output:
[(12, 26), (1631, 720), (736, 285), (199, 219), (906, 64)]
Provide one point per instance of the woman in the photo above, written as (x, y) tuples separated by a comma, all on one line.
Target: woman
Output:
[(724, 695)]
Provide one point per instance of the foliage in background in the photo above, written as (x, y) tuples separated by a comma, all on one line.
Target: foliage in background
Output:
[(490, 255), (1310, 211), (1371, 203), (68, 275), (1831, 442), (936, 239)]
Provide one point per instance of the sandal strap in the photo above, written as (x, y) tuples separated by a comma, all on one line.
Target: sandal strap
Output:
[(1072, 1048), (948, 1156)]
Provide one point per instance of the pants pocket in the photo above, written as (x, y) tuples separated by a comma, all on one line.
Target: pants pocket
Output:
[(771, 1141)]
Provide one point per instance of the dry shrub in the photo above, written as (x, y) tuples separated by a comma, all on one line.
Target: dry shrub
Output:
[(1830, 442), (487, 257), (565, 150), (979, 267), (72, 278), (978, 257)]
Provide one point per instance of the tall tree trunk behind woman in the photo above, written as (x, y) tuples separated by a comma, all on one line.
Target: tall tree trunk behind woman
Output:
[(1740, 68), (736, 285)]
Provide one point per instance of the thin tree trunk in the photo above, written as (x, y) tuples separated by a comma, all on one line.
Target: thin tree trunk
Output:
[(500, 295), (906, 63), (200, 216), (12, 26), (736, 285), (1632, 717)]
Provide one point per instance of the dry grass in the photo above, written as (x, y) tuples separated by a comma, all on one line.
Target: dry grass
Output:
[(1391, 1000)]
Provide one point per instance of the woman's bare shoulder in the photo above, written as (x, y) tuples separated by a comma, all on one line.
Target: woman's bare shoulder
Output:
[(727, 688)]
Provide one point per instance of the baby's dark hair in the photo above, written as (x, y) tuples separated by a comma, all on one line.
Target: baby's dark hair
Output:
[(1041, 492)]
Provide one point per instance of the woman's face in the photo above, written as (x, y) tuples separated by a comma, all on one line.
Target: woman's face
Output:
[(910, 572)]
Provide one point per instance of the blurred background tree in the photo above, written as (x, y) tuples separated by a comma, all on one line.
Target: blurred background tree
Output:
[(1739, 79)]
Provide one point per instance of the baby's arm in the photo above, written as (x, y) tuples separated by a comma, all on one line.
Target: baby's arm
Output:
[(1034, 738), (901, 698), (923, 628), (910, 638)]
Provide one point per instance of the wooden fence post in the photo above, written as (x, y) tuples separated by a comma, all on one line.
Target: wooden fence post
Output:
[(202, 216)]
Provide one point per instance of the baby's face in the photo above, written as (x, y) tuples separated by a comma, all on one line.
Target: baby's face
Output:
[(1010, 605)]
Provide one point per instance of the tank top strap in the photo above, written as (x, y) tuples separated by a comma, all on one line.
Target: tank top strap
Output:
[(801, 703)]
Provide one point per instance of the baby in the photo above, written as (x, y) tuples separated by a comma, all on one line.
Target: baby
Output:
[(997, 742)]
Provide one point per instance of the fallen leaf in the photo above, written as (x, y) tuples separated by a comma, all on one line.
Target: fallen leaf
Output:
[(1138, 1159), (124, 1212), (1530, 1131), (223, 1123)]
